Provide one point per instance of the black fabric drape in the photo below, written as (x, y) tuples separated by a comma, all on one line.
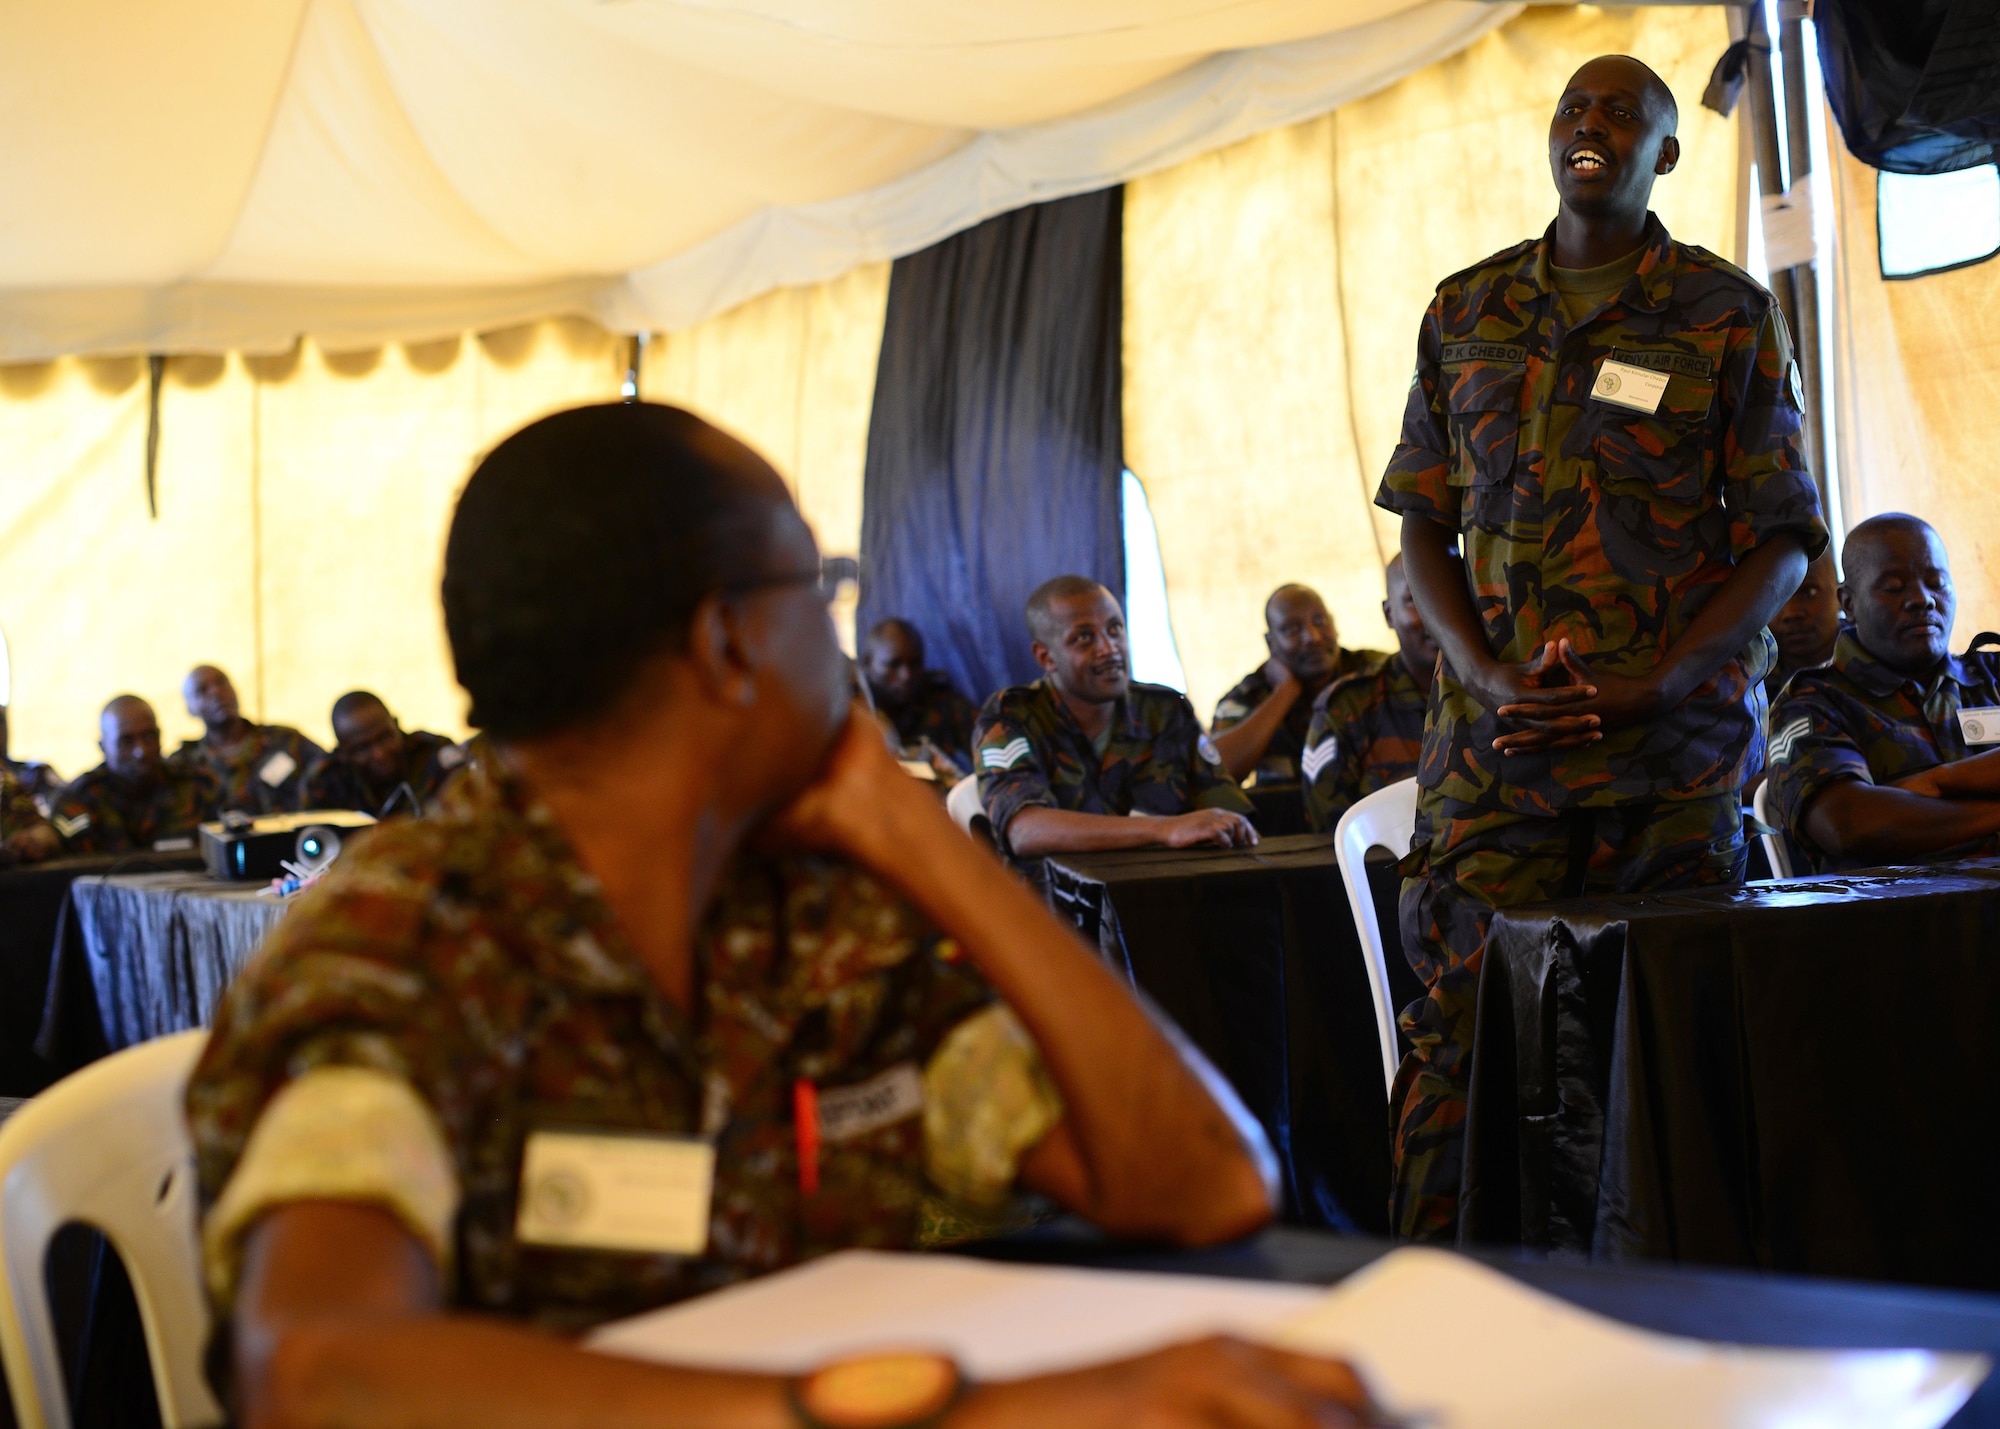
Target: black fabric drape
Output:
[(996, 447), (1914, 83)]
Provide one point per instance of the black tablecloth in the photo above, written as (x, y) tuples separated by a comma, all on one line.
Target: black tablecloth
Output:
[(1278, 808), (1254, 953), (1798, 1076), (31, 903), (1723, 1305)]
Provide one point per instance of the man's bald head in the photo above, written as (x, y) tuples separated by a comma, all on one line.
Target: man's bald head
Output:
[(1300, 634), (1642, 78), (1611, 136), (1043, 623), (210, 696), (892, 661), (1898, 592), (129, 735)]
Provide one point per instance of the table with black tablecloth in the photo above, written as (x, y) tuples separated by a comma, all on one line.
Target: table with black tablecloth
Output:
[(1253, 952), (144, 955), (31, 903), (1795, 1076), (1278, 808)]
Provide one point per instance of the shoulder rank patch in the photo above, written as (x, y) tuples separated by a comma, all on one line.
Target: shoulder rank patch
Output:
[(1232, 709), (1005, 756), (1512, 353), (1783, 741), (1318, 757), (1687, 364), (1206, 748), (71, 825)]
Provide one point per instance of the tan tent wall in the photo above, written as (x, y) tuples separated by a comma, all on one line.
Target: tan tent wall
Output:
[(1273, 291), (1919, 379)]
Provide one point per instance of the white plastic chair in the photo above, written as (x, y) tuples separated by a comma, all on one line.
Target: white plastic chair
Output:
[(962, 803), (1383, 819), (107, 1147), (1775, 851)]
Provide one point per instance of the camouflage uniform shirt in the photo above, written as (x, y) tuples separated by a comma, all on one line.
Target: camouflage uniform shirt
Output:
[(41, 782), (262, 773), (100, 813), (1367, 733), (938, 712), (1858, 719), (471, 958), (1281, 755), (428, 761), (18, 811), (1034, 755), (1610, 526)]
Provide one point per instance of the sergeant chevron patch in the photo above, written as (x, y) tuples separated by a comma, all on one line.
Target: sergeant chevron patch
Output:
[(1318, 757), (1005, 756), (1784, 739)]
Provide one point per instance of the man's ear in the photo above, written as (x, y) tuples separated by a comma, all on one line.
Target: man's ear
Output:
[(1042, 656), (717, 651), (1846, 604), (1271, 644), (1670, 155), (1385, 616)]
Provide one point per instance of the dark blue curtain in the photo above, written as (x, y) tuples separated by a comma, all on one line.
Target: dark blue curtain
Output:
[(996, 445)]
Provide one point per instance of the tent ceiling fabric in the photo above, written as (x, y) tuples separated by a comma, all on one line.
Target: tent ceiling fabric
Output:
[(235, 174)]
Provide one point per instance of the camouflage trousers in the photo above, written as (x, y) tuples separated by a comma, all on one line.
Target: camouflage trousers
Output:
[(1467, 861)]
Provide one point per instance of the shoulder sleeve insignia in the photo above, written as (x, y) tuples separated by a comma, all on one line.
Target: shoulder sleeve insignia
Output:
[(1783, 742), (1318, 757), (1005, 756), (70, 825), (1205, 747)]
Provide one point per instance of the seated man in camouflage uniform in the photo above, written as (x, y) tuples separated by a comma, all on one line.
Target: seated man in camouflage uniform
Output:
[(40, 780), (262, 767), (923, 705), (1870, 760), (1065, 763), (373, 759), (1807, 627), (134, 800), (1368, 730), (25, 836), (1261, 723), (685, 914)]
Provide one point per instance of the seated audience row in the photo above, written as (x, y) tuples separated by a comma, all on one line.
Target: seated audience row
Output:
[(688, 902)]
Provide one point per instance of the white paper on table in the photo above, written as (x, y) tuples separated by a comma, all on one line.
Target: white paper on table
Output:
[(1436, 1334)]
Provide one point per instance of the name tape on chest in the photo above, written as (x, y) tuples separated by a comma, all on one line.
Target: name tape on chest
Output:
[(1980, 724), (1511, 354), (1637, 389), (1319, 756), (278, 768), (1005, 756), (847, 1112), (616, 1191)]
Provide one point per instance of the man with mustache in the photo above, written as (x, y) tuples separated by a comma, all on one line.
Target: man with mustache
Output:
[(1067, 762), (1870, 760), (135, 800), (1368, 729), (1261, 723), (1604, 502)]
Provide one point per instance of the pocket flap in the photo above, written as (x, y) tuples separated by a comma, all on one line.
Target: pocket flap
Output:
[(1485, 387)]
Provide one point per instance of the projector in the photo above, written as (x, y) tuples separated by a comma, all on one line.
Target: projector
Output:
[(238, 847)]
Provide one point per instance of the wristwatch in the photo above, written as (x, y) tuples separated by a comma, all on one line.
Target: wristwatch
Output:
[(905, 1389)]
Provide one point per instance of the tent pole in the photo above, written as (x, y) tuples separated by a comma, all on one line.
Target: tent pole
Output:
[(1805, 277)]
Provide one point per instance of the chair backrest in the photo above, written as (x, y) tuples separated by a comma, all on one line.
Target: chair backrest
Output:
[(1776, 851), (1383, 819), (107, 1147), (962, 803)]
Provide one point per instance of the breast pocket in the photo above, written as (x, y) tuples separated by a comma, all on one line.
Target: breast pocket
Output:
[(1661, 456), (1485, 415)]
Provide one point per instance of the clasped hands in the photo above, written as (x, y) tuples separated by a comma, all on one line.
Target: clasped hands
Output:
[(1559, 702)]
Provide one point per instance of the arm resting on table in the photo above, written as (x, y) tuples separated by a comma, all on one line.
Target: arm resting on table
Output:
[(1036, 831), (1244, 743), (1882, 823)]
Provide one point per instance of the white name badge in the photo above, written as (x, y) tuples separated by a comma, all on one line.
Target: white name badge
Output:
[(1623, 385), (1980, 725), (616, 1191), (848, 1112), (277, 769)]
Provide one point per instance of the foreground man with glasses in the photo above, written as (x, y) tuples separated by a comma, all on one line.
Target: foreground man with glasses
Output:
[(685, 983)]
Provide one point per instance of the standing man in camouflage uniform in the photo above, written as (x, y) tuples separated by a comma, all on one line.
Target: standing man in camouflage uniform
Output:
[(1065, 762), (134, 800), (261, 767), (687, 930), (1871, 762), (1608, 422), (373, 760), (1261, 723), (1368, 730), (923, 705)]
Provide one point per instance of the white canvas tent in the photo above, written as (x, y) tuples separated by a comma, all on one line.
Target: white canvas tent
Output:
[(228, 175)]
